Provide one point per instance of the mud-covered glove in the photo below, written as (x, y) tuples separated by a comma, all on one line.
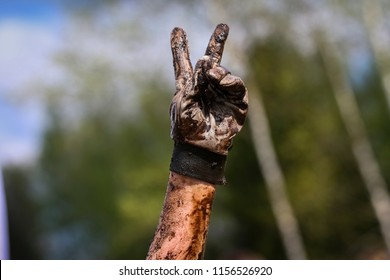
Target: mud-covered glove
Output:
[(208, 109)]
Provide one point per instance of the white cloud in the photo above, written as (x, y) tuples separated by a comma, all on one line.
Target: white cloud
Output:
[(18, 151), (21, 126), (25, 53)]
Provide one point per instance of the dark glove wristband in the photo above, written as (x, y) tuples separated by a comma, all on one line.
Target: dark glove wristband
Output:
[(198, 163)]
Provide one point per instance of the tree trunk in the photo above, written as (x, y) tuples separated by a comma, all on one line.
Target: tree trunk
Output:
[(272, 172)]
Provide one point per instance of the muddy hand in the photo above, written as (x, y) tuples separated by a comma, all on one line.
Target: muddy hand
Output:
[(210, 105)]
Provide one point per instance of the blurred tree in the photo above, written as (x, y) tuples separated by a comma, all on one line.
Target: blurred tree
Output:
[(104, 158), (104, 178), (362, 150), (313, 149)]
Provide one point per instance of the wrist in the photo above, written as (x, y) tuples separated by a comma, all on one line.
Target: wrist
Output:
[(199, 163)]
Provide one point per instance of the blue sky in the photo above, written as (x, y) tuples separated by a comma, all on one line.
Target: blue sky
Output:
[(29, 35), (39, 10)]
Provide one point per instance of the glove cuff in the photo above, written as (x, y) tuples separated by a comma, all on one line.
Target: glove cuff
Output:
[(198, 163)]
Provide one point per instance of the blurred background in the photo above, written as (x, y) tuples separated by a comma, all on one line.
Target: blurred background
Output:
[(85, 89)]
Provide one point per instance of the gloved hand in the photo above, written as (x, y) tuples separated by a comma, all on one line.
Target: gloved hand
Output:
[(210, 105)]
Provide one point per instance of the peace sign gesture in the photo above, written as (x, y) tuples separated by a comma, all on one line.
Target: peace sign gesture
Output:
[(210, 105)]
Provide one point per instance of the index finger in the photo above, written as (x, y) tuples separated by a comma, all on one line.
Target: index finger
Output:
[(181, 58), (217, 42)]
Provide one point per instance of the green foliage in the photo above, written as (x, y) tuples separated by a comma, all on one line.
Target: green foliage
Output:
[(106, 177), (322, 178)]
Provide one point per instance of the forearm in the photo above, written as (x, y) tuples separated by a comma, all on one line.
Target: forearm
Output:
[(182, 229)]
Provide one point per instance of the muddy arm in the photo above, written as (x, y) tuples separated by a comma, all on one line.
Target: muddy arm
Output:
[(182, 229), (208, 109)]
